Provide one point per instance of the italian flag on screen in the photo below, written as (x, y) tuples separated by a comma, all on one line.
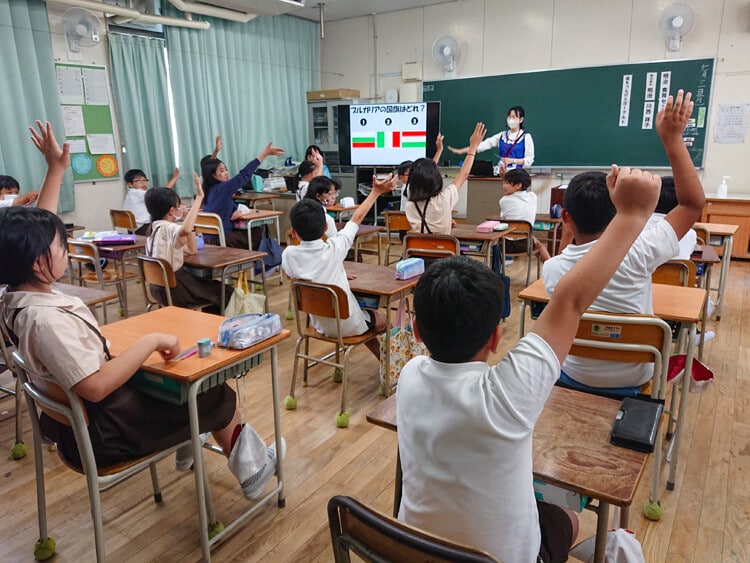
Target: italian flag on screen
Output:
[(390, 140)]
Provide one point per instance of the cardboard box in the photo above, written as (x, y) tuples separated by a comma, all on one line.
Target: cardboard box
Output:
[(314, 95)]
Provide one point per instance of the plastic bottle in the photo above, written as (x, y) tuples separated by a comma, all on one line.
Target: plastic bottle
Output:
[(722, 191)]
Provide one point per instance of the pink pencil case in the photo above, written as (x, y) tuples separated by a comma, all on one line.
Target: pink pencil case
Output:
[(487, 226)]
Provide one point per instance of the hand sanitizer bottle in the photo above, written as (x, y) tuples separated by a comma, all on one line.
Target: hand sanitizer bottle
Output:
[(722, 191)]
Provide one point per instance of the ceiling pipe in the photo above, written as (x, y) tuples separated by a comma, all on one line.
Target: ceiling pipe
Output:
[(321, 9), (213, 11), (126, 14)]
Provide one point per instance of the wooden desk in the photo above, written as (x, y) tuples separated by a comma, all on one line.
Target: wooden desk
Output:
[(73, 228), (338, 210), (220, 261), (671, 303), (198, 374), (467, 234), (571, 450), (724, 234), (543, 222), (251, 198), (89, 295), (365, 233), (380, 284), (120, 253), (263, 217)]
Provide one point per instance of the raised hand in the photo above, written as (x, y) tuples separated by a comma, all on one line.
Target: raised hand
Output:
[(198, 184), (383, 186), (439, 142), (476, 137), (634, 191), (672, 119), (45, 141), (270, 150), (26, 199)]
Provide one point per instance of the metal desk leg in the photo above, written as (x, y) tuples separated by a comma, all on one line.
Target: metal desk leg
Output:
[(522, 320), (387, 359), (674, 447), (281, 499), (728, 241), (199, 471), (602, 524), (398, 487)]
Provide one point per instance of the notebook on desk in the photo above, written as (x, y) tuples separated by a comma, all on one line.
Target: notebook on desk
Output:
[(481, 169)]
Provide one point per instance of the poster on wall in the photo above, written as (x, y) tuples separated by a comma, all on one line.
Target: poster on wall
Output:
[(87, 119)]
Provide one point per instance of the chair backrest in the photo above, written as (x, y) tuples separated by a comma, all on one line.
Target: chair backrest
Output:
[(520, 230), (291, 238), (321, 300), (431, 246), (81, 253), (156, 271), (123, 219), (702, 234), (210, 224), (396, 221), (376, 537), (675, 272), (626, 338)]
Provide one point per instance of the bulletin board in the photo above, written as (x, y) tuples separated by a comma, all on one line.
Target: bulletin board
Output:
[(583, 116), (86, 113)]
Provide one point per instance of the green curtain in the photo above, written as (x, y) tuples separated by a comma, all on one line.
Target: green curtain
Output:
[(246, 82), (139, 84), (29, 92)]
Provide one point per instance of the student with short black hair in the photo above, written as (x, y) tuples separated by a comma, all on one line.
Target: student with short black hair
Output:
[(519, 204), (137, 185), (464, 427), (9, 187), (323, 190), (170, 241), (323, 261), (57, 335), (588, 209), (667, 202)]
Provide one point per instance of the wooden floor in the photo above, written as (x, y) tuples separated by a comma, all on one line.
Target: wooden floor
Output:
[(706, 518)]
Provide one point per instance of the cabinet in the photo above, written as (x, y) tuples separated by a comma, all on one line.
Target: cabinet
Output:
[(323, 125), (731, 212)]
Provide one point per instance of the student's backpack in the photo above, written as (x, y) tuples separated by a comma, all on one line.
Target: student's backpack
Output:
[(497, 267), (272, 248)]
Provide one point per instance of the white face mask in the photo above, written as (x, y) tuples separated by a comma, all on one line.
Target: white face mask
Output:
[(177, 215), (513, 122)]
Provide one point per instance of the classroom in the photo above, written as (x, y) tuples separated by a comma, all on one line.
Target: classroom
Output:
[(247, 82)]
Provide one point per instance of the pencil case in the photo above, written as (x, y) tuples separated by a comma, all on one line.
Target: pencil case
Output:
[(487, 226), (409, 268), (243, 331)]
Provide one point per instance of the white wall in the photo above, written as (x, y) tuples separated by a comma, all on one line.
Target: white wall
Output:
[(93, 199), (503, 36)]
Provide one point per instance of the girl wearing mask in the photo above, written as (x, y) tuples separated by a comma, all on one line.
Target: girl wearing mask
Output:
[(515, 147)]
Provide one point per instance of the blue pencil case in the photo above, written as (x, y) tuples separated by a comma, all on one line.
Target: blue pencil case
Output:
[(409, 268)]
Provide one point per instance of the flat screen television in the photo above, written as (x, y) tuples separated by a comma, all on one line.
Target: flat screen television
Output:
[(387, 134)]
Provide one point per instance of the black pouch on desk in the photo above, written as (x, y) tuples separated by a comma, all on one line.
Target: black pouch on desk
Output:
[(636, 424)]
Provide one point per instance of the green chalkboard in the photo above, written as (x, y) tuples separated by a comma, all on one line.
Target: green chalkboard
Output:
[(576, 115)]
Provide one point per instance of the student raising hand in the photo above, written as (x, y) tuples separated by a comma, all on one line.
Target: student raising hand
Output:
[(672, 119), (58, 160), (270, 150), (633, 191)]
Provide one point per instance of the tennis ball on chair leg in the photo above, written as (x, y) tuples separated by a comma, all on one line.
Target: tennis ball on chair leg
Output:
[(19, 450), (289, 315), (44, 549), (342, 419), (653, 510), (338, 375), (290, 403)]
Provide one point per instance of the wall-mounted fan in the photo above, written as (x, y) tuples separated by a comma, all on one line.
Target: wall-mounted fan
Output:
[(675, 22), (445, 51), (82, 28)]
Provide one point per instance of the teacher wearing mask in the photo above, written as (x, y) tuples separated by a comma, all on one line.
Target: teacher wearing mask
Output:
[(515, 147)]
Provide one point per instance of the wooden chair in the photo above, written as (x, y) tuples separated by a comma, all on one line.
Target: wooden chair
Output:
[(123, 219), (82, 253), (520, 230), (431, 246), (631, 338), (703, 235), (19, 449), (395, 223), (328, 301), (157, 271), (210, 224), (379, 538), (675, 272), (67, 408)]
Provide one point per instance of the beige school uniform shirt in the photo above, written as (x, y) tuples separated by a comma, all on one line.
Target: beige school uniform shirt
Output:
[(164, 242)]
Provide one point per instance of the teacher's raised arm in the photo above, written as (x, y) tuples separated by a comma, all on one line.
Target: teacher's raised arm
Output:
[(515, 147)]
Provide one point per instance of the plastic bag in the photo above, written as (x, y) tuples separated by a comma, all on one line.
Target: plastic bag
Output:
[(243, 301), (701, 375), (403, 344), (622, 547)]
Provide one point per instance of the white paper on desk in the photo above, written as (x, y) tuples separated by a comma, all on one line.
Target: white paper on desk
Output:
[(101, 143), (77, 145), (73, 122)]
